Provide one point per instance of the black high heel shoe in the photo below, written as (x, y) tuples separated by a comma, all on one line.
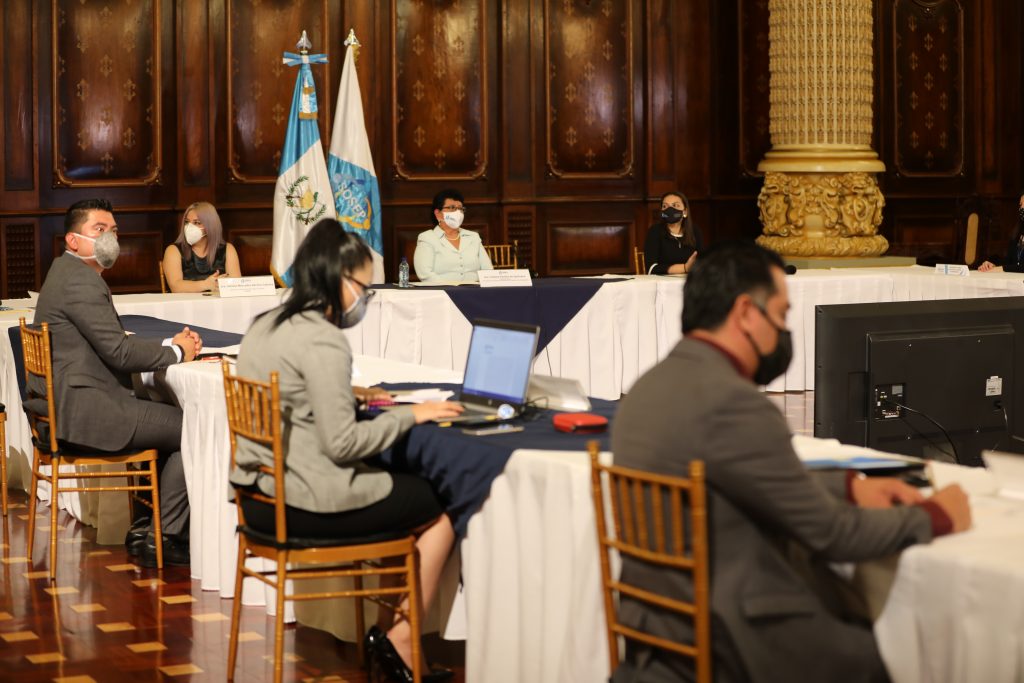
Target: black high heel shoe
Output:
[(384, 660)]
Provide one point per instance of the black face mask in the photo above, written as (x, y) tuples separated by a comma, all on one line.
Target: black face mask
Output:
[(671, 215), (1020, 212), (774, 364)]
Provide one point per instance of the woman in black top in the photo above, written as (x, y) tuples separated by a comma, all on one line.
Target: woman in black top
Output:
[(200, 256), (1014, 261), (672, 244)]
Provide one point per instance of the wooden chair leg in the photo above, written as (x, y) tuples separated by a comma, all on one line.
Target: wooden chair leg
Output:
[(236, 610), (158, 533), (33, 497), (413, 578), (279, 618), (54, 504), (3, 462), (357, 583)]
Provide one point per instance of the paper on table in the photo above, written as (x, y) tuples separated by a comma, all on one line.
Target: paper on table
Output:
[(975, 481), (421, 395), (223, 350)]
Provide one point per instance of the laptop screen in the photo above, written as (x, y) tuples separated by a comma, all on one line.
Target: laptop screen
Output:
[(498, 366)]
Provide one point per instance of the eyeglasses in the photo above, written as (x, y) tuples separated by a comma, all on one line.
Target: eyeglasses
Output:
[(368, 293)]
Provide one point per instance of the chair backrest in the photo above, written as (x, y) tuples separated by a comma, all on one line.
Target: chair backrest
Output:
[(35, 346), (651, 515), (971, 239), (503, 255), (639, 261), (163, 280), (254, 413)]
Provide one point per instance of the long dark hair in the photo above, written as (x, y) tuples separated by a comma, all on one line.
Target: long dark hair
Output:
[(325, 255), (689, 239)]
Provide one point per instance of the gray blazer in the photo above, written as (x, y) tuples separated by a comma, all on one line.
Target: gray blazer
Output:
[(323, 445), (92, 358), (765, 617)]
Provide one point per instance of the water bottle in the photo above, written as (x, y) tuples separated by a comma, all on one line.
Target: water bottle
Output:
[(403, 273)]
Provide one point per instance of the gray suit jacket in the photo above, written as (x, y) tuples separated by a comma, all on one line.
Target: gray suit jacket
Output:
[(767, 622), (324, 445), (92, 358)]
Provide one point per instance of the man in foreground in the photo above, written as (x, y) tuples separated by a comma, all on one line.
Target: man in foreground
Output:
[(770, 620), (93, 360)]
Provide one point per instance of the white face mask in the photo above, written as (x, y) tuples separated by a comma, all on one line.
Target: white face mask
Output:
[(454, 219), (105, 249), (193, 233)]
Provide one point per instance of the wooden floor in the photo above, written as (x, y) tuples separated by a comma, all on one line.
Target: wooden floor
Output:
[(106, 619)]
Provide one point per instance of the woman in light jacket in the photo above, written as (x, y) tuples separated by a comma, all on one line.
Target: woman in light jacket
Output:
[(447, 252)]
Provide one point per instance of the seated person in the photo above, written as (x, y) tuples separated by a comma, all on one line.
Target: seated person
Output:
[(93, 360), (672, 243), (1014, 261), (188, 266), (331, 491), (449, 253), (766, 510)]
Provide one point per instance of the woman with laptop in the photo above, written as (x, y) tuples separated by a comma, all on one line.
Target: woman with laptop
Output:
[(331, 491)]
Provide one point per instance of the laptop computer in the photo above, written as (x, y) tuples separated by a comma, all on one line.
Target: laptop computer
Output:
[(497, 374)]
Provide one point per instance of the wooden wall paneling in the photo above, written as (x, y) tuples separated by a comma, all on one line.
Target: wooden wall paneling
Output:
[(440, 108), (520, 225), (253, 246), (19, 257), (18, 90), (929, 235), (195, 102), (929, 123), (260, 86), (519, 96), (107, 94), (662, 34), (754, 77), (589, 60)]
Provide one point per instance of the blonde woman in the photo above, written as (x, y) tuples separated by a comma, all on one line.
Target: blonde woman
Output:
[(200, 256)]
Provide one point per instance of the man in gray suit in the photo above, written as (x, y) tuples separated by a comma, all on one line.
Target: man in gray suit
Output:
[(93, 360), (775, 616)]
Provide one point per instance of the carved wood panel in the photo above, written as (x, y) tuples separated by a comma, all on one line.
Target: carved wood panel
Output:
[(260, 86), (575, 247), (589, 88), (107, 128), (754, 77), (254, 246), (19, 249), (439, 89), (929, 84), (519, 226), (194, 123), (18, 98)]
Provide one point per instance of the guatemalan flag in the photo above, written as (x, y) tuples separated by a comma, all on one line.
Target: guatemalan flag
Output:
[(353, 179), (303, 193)]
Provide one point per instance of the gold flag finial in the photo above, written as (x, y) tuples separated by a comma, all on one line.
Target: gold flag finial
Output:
[(354, 43)]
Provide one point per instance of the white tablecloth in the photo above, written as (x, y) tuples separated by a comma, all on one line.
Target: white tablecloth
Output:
[(956, 609)]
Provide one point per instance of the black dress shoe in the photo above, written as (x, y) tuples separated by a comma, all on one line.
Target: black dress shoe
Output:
[(388, 663), (176, 552), (135, 539)]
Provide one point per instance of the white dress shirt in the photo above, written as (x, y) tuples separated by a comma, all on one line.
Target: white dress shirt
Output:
[(437, 259)]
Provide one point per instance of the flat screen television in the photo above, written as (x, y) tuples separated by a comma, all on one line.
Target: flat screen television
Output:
[(888, 375)]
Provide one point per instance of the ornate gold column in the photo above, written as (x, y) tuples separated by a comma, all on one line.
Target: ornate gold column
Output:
[(820, 196)]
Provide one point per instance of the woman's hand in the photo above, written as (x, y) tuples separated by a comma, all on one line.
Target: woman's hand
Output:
[(211, 282), (364, 394), (690, 262), (989, 267), (435, 410)]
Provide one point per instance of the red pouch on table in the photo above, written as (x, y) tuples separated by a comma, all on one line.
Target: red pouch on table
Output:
[(579, 423)]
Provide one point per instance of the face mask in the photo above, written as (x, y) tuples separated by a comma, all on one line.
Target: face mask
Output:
[(193, 233), (454, 219), (774, 364), (105, 248), (354, 314), (671, 215), (1020, 212)]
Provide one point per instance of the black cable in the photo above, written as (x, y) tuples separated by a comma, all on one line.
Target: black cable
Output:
[(1006, 424), (956, 456)]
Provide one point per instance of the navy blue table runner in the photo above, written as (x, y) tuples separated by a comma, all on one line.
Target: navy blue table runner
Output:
[(550, 303), (462, 467)]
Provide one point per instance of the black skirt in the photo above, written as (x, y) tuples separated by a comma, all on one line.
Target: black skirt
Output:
[(411, 504)]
